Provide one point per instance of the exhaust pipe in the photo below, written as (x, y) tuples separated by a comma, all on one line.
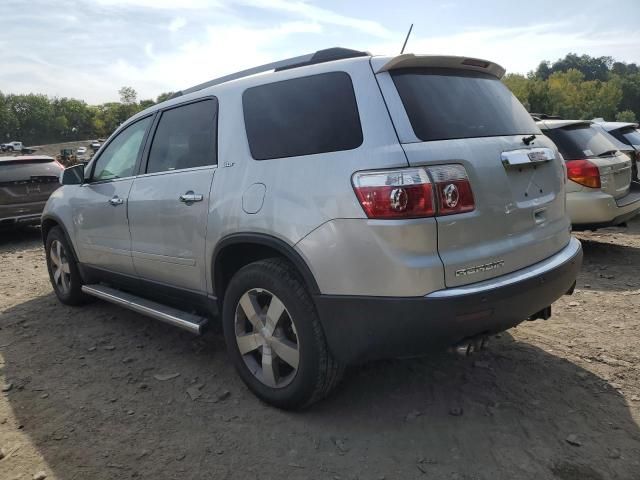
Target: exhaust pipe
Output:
[(468, 347)]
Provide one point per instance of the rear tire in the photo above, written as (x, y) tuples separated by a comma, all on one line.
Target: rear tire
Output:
[(63, 269), (309, 372)]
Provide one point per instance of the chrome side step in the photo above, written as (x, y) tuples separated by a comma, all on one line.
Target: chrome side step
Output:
[(172, 316)]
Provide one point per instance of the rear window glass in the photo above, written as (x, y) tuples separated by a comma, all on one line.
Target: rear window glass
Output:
[(580, 141), (445, 104), (302, 116), (632, 135)]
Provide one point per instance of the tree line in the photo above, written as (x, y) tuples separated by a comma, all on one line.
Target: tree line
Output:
[(36, 119), (581, 87), (576, 87)]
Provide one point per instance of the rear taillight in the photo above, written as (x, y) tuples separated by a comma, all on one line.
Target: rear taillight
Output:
[(584, 173), (414, 192), (405, 193), (453, 189)]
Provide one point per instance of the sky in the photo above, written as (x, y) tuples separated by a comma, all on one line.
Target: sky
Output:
[(88, 49)]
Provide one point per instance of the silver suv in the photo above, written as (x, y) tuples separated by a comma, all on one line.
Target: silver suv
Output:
[(329, 209)]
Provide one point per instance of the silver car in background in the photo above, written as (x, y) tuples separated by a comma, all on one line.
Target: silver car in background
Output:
[(599, 187), (337, 208)]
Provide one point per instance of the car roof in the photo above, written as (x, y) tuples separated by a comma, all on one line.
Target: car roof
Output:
[(331, 56), (26, 157), (611, 126), (551, 124)]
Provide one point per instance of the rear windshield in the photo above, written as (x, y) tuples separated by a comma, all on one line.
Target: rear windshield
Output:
[(632, 135), (580, 141), (444, 104)]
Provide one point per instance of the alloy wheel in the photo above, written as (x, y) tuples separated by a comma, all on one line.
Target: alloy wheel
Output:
[(60, 267), (266, 338)]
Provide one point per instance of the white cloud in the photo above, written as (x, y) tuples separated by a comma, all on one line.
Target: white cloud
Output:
[(162, 4), (177, 23), (198, 61), (322, 15)]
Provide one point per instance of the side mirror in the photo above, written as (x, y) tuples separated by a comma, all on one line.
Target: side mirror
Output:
[(73, 175)]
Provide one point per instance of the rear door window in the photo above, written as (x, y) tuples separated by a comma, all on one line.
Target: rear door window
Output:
[(445, 104), (185, 138), (302, 116), (580, 141)]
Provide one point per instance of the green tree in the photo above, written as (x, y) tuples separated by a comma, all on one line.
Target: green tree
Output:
[(626, 116), (164, 97), (128, 95)]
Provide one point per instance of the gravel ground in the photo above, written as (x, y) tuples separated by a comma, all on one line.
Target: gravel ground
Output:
[(102, 393)]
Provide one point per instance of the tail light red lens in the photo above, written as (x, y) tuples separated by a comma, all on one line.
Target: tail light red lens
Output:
[(386, 194), (414, 192), (453, 189), (584, 173)]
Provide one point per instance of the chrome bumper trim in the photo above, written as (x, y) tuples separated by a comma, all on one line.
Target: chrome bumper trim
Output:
[(540, 268)]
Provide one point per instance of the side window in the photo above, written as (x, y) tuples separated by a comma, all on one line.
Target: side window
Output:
[(119, 157), (302, 116), (185, 138)]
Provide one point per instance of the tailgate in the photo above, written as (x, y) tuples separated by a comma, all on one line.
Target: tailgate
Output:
[(615, 174), (26, 181), (469, 118)]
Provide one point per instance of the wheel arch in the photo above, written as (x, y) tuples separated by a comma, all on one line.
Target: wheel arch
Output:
[(239, 249), (50, 221)]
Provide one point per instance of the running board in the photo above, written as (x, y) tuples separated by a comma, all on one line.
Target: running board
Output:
[(172, 316)]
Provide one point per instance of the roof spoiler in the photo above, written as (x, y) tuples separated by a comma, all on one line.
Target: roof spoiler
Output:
[(409, 60)]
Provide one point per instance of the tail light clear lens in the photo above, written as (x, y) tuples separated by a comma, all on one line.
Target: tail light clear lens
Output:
[(414, 192), (453, 189), (386, 194), (584, 173)]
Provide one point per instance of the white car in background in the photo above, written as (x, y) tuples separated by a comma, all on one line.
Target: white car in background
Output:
[(81, 151), (599, 187)]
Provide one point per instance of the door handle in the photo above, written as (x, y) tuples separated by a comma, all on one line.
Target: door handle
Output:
[(191, 197), (115, 201)]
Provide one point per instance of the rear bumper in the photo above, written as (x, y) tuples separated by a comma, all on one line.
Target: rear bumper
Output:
[(360, 328), (21, 213), (597, 209)]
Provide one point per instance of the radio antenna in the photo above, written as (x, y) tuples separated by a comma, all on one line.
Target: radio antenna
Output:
[(406, 39)]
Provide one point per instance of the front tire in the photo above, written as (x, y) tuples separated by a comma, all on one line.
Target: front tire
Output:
[(63, 269), (274, 336)]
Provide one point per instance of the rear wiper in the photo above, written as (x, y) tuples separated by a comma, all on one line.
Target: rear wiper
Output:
[(608, 153)]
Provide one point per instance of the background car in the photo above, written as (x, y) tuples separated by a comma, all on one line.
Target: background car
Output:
[(599, 192), (81, 151), (26, 182), (627, 134), (12, 147)]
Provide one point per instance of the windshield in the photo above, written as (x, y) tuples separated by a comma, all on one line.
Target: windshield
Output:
[(445, 104)]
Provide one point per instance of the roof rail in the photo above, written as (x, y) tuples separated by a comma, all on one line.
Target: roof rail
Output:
[(321, 56)]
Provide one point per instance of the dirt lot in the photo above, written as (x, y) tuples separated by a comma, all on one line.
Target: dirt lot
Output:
[(53, 149), (101, 393)]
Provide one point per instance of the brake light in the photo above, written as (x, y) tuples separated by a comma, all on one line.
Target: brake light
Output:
[(584, 173), (414, 192), (453, 189), (386, 194)]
